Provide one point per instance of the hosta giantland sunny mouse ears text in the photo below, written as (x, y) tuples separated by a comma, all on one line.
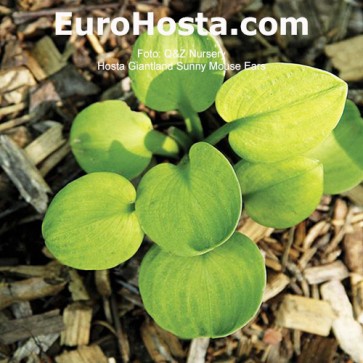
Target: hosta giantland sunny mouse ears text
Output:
[(202, 278)]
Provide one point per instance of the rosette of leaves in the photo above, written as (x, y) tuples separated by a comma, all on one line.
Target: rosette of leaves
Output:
[(108, 136), (211, 295), (341, 153), (202, 278), (188, 91)]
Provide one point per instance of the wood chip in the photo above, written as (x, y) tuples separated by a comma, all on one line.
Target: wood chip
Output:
[(91, 354), (347, 57), (95, 43), (172, 342), (68, 82), (306, 257), (29, 289), (305, 314), (18, 329), (253, 230), (43, 97), (54, 159), (4, 111), (5, 126), (77, 320), (317, 230), (48, 57), (15, 81), (18, 95), (318, 350), (356, 281), (45, 144), (33, 28), (353, 248), (332, 271), (275, 284), (340, 214), (36, 345), (282, 352), (273, 264), (13, 55), (51, 270), (76, 286), (4, 10), (20, 135), (349, 333), (24, 174), (245, 346), (155, 344), (21, 309), (198, 350), (103, 283), (300, 234)]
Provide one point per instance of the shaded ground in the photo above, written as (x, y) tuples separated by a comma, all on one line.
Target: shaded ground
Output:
[(44, 81)]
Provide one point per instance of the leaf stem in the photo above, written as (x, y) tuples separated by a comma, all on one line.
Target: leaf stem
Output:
[(181, 137), (192, 122), (219, 134)]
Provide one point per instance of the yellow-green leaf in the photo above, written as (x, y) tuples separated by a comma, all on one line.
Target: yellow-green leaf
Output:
[(282, 111), (281, 194), (176, 88), (91, 223), (211, 295), (191, 208), (108, 136), (342, 153)]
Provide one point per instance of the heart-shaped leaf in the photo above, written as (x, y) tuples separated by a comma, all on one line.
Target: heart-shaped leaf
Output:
[(177, 87), (281, 194), (108, 136), (342, 153), (281, 111), (91, 223), (193, 207), (210, 295)]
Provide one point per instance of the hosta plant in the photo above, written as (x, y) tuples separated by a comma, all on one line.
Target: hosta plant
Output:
[(202, 277)]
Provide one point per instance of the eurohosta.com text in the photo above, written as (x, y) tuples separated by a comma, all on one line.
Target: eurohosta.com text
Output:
[(186, 26)]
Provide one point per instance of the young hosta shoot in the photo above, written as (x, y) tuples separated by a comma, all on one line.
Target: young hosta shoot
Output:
[(211, 295), (178, 87), (91, 223), (202, 278), (341, 153), (281, 194), (193, 207), (108, 136), (280, 112)]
